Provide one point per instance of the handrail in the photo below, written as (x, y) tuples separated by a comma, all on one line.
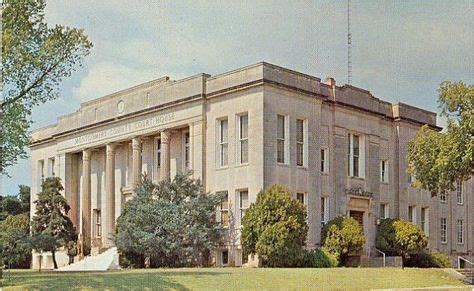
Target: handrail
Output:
[(465, 260), (383, 255)]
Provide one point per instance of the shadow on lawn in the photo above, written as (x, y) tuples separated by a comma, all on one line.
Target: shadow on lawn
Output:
[(108, 280)]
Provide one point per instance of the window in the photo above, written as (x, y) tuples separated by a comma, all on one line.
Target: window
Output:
[(281, 139), (243, 202), (460, 228), (243, 139), (384, 171), (384, 211), (158, 153), (98, 225), (412, 214), (324, 160), (300, 198), (225, 257), (443, 197), (425, 220), (459, 194), (186, 146), (324, 210), (356, 156), (444, 230), (301, 143), (224, 208), (223, 143), (41, 170), (51, 165)]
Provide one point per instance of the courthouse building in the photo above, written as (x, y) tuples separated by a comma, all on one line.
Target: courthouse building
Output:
[(338, 149)]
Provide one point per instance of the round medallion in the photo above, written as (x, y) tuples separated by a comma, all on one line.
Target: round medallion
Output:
[(120, 107)]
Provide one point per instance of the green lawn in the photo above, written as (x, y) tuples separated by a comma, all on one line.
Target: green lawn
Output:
[(232, 278)]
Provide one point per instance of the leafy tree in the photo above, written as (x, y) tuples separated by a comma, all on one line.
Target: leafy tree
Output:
[(35, 59), (14, 241), (13, 205), (275, 228), (172, 223), (343, 237), (439, 159), (51, 227), (400, 237)]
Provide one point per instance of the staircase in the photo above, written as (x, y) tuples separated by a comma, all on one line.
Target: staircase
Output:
[(107, 260), (468, 275)]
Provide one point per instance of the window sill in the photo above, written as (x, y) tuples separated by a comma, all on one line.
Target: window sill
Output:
[(443, 202), (222, 168), (356, 178), (283, 165), (302, 167), (460, 204), (325, 173), (385, 183), (242, 165), (444, 243)]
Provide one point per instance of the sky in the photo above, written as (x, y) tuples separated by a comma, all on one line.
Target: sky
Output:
[(401, 50)]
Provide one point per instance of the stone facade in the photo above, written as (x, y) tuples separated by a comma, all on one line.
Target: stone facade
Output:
[(240, 132)]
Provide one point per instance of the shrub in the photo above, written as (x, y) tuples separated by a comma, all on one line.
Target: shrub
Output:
[(275, 228), (318, 258), (426, 259), (400, 237), (343, 237)]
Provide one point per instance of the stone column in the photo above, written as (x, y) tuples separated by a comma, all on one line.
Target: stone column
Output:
[(109, 194), (136, 160), (86, 200), (165, 155)]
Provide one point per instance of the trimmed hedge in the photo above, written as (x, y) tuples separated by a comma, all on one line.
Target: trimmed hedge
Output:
[(428, 259), (318, 258)]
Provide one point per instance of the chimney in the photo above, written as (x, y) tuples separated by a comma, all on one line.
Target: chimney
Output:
[(332, 83)]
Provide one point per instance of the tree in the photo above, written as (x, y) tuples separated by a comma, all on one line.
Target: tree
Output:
[(13, 205), (35, 59), (275, 228), (51, 227), (400, 237), (171, 223), (14, 241), (440, 159), (343, 237)]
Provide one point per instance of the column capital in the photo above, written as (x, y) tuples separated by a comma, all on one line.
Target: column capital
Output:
[(86, 155), (165, 136), (110, 148), (136, 143)]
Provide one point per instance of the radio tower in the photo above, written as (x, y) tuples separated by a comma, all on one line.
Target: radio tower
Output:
[(349, 43)]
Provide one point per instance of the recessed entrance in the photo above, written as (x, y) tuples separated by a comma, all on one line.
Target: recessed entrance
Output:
[(358, 215)]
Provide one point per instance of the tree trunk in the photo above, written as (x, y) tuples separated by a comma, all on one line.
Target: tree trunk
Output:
[(53, 254), (40, 261)]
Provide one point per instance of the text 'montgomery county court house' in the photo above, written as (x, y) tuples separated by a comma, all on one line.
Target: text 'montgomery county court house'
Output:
[(339, 149)]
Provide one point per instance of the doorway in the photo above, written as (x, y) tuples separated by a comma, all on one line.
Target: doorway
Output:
[(358, 216)]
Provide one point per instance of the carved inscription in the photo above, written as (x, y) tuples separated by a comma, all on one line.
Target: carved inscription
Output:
[(126, 128)]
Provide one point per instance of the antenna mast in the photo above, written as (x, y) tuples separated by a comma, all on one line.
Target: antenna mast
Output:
[(349, 44)]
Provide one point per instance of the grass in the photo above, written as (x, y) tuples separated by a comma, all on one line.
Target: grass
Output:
[(232, 278)]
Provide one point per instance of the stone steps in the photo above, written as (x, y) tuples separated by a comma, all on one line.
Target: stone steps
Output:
[(107, 260), (468, 275)]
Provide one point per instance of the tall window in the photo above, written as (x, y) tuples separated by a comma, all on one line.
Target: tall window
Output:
[(281, 139), (98, 223), (412, 214), (324, 160), (384, 211), (443, 197), (460, 228), (51, 165), (356, 159), (41, 170), (384, 171), (158, 153), (300, 142), (425, 220), (243, 203), (223, 143), (224, 208), (301, 197), (324, 209), (459, 194), (225, 257), (444, 230), (187, 153), (243, 139)]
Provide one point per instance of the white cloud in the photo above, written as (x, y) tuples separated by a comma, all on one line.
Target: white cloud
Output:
[(105, 77)]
